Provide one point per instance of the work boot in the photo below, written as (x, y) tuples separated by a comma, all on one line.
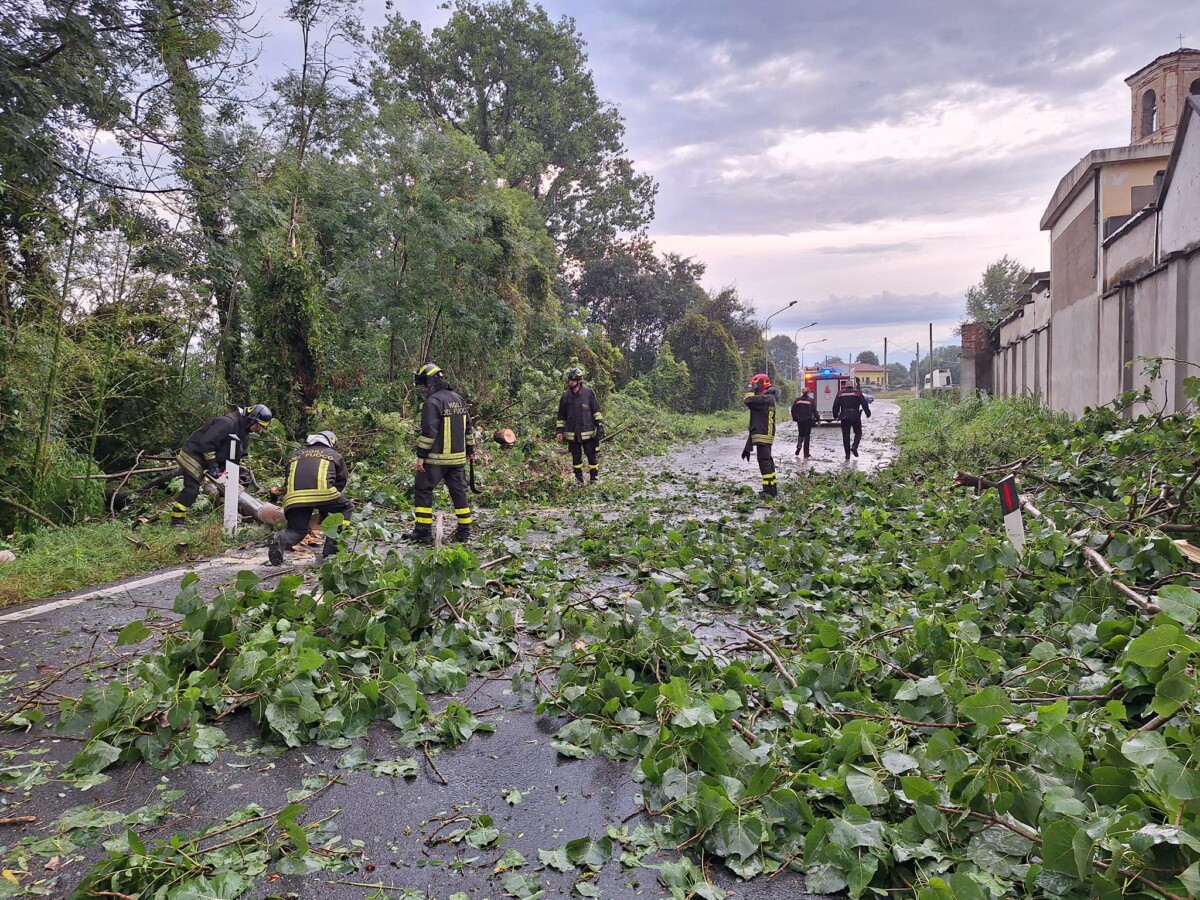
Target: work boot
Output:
[(855, 452), (462, 534), (592, 478), (579, 478), (179, 524), (274, 555), (771, 490), (798, 450), (421, 534), (330, 548)]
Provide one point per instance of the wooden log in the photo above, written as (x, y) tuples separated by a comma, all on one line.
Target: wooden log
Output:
[(505, 437)]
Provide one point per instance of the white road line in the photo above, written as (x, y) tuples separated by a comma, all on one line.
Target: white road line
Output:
[(131, 585)]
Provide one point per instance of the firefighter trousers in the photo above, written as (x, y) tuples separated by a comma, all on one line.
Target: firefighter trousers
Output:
[(299, 518), (849, 425), (456, 484), (578, 449), (803, 437), (766, 465)]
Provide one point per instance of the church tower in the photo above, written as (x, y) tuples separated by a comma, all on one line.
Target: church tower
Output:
[(1160, 91)]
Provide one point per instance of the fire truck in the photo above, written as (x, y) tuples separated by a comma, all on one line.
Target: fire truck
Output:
[(823, 385)]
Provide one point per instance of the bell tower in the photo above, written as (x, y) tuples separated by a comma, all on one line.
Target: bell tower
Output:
[(1160, 91)]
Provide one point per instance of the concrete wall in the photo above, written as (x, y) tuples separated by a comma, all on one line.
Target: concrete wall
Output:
[(1020, 367), (1180, 216), (1131, 251), (1073, 249)]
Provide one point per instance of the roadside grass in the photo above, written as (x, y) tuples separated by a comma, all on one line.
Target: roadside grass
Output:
[(60, 560), (976, 431)]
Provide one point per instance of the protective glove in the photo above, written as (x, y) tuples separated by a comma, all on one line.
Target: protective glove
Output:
[(599, 432), (746, 455), (213, 473), (245, 478)]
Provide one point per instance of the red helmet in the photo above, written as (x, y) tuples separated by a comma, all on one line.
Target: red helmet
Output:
[(759, 383)]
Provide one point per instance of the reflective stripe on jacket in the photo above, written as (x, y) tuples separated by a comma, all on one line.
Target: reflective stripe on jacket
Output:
[(762, 415), (578, 414), (210, 443), (802, 411), (316, 475), (446, 433)]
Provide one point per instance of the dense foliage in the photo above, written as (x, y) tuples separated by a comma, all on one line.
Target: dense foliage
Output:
[(174, 237)]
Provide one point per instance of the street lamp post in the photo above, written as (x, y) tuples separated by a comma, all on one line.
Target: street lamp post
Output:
[(796, 340), (766, 354), (802, 349)]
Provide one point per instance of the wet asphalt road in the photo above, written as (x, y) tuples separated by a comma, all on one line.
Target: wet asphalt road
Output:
[(396, 818)]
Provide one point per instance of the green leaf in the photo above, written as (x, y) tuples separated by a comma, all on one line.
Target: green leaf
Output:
[(1180, 603), (589, 853), (1151, 648), (988, 708), (556, 859), (1058, 847), (1145, 749), (133, 633)]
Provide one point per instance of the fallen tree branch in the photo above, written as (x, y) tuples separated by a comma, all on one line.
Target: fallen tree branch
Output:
[(1094, 559), (759, 641), (25, 509)]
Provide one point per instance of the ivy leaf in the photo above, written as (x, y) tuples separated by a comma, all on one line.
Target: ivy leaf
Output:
[(988, 707), (589, 853), (1180, 603)]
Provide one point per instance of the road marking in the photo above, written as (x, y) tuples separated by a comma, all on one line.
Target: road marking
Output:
[(131, 585)]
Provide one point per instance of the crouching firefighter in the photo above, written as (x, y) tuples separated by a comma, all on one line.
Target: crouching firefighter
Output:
[(222, 440), (316, 477), (760, 398), (446, 443), (581, 423)]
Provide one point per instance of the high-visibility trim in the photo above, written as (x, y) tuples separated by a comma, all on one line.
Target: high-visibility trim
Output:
[(447, 459), (560, 424), (314, 497), (594, 468), (424, 442), (579, 467), (423, 509), (466, 520), (423, 520), (465, 509)]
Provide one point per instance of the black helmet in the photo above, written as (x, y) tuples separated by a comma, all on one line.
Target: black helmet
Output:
[(574, 374), (260, 414), (426, 373)]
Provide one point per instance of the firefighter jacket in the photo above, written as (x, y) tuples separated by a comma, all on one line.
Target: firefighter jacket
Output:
[(849, 405), (579, 415), (447, 436), (803, 412), (762, 415), (316, 475), (209, 445)]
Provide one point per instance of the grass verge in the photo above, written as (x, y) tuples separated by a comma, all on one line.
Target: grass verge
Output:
[(68, 559)]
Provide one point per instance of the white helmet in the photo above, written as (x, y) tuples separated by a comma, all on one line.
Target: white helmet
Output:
[(328, 438)]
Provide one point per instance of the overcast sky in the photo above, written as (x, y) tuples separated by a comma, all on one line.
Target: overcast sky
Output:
[(866, 158)]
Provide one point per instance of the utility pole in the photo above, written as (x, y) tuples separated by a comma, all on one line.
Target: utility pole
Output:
[(885, 368), (931, 354)]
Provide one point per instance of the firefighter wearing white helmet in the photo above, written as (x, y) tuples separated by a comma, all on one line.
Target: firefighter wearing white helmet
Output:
[(316, 477), (221, 440)]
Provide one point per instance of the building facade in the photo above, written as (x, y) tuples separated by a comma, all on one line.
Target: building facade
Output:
[(1123, 225)]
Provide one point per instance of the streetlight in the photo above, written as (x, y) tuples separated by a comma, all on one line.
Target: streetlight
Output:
[(796, 338), (809, 344), (766, 358)]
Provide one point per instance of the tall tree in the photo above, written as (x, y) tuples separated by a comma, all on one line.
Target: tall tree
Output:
[(784, 356), (868, 357), (518, 85), (997, 292), (712, 359), (637, 296)]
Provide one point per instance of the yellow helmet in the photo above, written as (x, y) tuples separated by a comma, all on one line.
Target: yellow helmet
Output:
[(425, 373)]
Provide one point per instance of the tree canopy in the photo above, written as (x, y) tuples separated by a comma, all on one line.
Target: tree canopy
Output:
[(997, 292)]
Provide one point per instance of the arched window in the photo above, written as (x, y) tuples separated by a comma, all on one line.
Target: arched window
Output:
[(1149, 113), (1195, 88)]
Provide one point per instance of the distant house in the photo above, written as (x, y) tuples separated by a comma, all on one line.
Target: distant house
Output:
[(869, 375)]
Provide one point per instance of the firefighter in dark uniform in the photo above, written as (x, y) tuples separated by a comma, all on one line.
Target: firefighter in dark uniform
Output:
[(446, 443), (316, 477), (206, 452), (803, 414), (761, 397), (848, 407), (581, 423)]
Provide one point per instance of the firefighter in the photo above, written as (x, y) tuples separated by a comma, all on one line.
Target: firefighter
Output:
[(580, 423), (803, 414), (848, 407), (221, 440), (760, 398), (316, 477), (446, 443)]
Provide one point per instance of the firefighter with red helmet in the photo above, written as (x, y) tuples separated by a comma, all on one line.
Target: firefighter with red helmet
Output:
[(760, 398)]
